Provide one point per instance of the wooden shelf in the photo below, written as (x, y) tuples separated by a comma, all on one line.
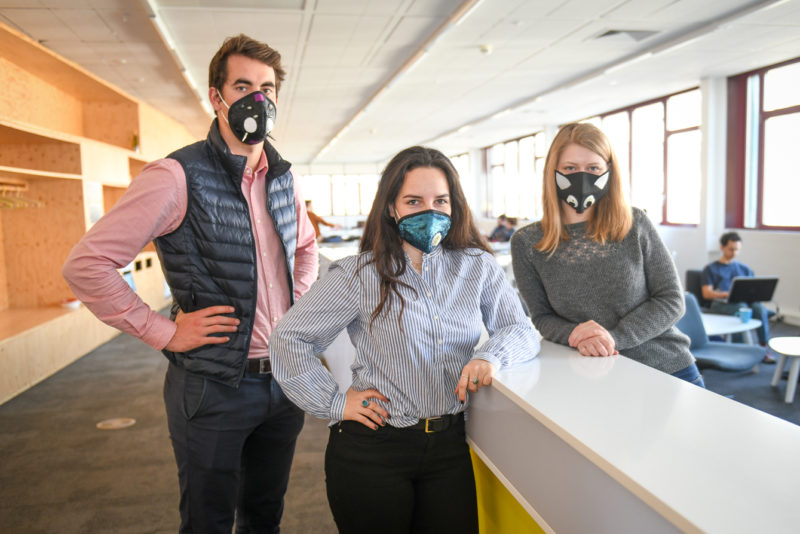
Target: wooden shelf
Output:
[(17, 321), (15, 172), (36, 342), (69, 153), (26, 150), (58, 71), (68, 98)]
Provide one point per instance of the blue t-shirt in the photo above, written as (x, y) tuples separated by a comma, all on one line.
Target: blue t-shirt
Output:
[(501, 233), (719, 275)]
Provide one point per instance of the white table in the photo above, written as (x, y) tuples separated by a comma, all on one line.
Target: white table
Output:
[(725, 325), (786, 347)]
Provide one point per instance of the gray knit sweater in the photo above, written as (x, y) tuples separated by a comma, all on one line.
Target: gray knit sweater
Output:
[(630, 287)]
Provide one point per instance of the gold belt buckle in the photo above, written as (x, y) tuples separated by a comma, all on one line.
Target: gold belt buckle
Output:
[(427, 421)]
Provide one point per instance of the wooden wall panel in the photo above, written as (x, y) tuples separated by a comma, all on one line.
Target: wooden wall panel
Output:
[(115, 123), (110, 196), (135, 166), (40, 239), (32, 100), (52, 157), (104, 164), (3, 270), (160, 134)]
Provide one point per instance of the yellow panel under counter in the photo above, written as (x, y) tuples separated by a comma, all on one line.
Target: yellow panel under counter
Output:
[(499, 512)]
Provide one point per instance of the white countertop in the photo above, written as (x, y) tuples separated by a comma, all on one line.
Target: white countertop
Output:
[(704, 462)]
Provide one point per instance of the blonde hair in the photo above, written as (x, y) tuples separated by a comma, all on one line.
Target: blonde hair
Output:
[(611, 219)]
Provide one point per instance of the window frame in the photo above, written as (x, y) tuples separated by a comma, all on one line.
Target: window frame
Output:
[(489, 198), (667, 134), (736, 153)]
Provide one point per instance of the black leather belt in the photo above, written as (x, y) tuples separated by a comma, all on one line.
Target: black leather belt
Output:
[(259, 366), (437, 424)]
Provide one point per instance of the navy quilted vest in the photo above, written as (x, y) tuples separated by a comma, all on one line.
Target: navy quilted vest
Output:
[(210, 258)]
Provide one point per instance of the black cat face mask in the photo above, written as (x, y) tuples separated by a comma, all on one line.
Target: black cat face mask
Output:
[(581, 190)]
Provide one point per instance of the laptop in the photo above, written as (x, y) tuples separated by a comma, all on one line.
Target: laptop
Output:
[(752, 289)]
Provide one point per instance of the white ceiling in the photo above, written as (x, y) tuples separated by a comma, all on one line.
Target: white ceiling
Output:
[(542, 59)]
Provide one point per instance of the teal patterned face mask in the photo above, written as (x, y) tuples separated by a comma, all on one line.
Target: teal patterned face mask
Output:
[(424, 230)]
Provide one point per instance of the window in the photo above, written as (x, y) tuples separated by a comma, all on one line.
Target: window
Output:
[(683, 153), (317, 189), (340, 194), (658, 146), (463, 167), (763, 120), (515, 177), (647, 159)]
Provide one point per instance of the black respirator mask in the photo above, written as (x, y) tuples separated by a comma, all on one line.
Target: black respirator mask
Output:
[(581, 190), (251, 117)]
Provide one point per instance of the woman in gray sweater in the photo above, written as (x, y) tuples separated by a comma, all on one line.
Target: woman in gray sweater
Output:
[(594, 273)]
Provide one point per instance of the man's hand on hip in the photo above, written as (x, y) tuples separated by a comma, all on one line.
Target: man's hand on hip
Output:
[(195, 328)]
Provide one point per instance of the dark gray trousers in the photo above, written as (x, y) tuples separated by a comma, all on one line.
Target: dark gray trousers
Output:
[(234, 450)]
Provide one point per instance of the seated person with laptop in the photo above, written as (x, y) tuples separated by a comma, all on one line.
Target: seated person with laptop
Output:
[(717, 278)]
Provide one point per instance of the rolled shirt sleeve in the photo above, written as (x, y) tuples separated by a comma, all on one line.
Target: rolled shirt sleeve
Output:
[(153, 205)]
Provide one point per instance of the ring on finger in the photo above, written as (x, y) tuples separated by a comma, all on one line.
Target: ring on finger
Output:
[(475, 381), (365, 403)]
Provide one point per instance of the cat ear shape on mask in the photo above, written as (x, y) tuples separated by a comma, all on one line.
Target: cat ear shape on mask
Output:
[(601, 182), (561, 181)]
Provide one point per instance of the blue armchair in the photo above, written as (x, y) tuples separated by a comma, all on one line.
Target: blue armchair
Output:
[(694, 285), (715, 354)]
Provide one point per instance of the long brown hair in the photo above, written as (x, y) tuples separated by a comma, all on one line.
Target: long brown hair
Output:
[(381, 236), (611, 220)]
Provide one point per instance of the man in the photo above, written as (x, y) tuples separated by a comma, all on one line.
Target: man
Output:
[(717, 278), (316, 220), (504, 230), (237, 250)]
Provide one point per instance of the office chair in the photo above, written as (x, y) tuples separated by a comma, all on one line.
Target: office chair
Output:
[(694, 284), (715, 354)]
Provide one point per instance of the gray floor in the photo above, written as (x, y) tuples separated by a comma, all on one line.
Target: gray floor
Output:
[(60, 474)]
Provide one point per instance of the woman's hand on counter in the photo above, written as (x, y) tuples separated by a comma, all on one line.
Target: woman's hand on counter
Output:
[(596, 346), (591, 339), (475, 375)]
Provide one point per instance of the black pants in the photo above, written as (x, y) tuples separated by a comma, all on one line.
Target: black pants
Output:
[(400, 481), (234, 449)]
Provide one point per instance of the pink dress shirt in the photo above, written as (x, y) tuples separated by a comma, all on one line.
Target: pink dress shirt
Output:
[(154, 205)]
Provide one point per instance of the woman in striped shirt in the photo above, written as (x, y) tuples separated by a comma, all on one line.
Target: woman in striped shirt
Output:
[(414, 303)]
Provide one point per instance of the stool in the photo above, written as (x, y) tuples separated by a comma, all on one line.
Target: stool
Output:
[(786, 347)]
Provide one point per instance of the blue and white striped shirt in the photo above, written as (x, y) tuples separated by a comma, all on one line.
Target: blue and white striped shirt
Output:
[(417, 368)]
